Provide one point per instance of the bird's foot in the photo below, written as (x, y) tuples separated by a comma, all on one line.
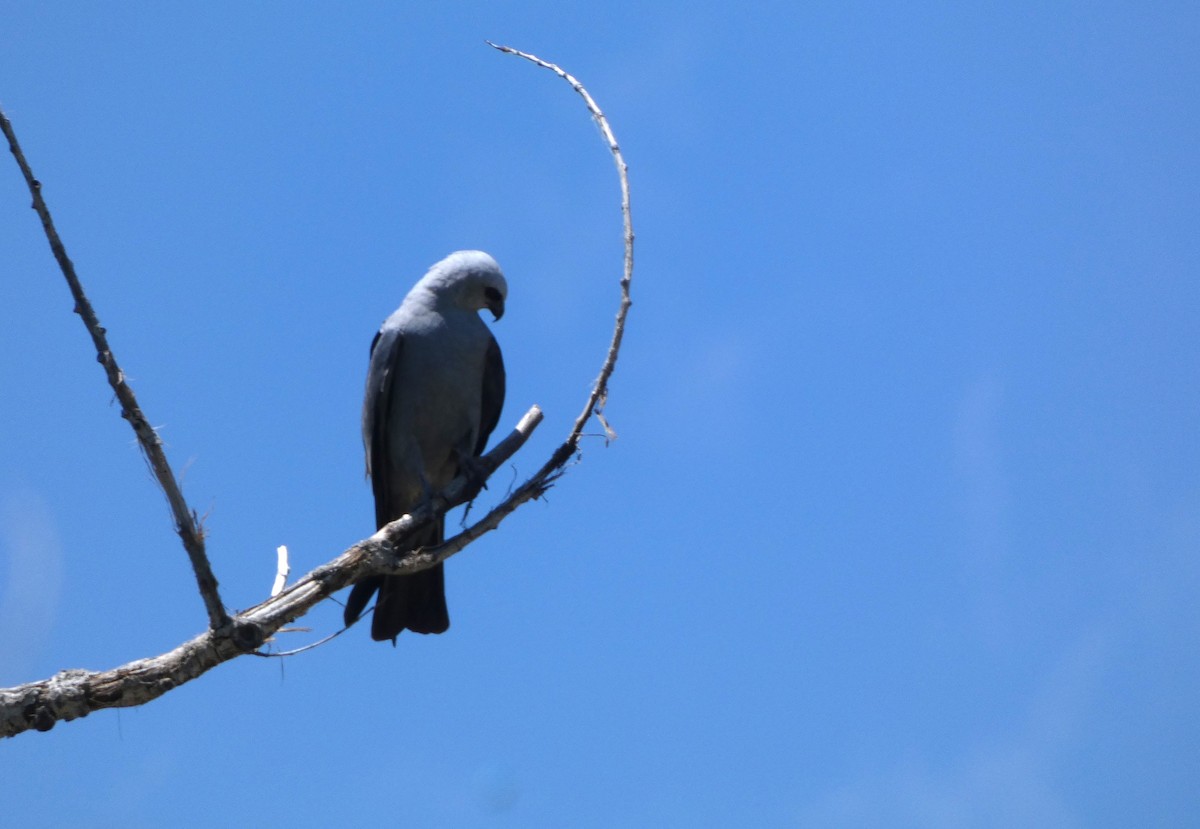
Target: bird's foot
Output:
[(476, 472)]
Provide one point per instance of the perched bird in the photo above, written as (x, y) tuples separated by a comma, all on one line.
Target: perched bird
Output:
[(435, 387)]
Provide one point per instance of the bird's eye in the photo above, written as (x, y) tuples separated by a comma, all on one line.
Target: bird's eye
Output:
[(492, 294)]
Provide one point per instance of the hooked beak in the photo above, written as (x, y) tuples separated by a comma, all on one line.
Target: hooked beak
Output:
[(496, 306)]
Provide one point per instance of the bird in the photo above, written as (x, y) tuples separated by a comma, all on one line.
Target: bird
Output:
[(435, 388)]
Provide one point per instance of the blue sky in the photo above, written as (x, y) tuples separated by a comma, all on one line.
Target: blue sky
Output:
[(902, 525)]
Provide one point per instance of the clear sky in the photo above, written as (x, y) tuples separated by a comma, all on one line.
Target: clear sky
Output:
[(902, 528)]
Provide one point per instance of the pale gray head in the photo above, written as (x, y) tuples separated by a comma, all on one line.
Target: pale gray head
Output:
[(468, 279)]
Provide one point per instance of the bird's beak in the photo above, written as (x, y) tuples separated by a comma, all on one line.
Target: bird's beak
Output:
[(497, 309)]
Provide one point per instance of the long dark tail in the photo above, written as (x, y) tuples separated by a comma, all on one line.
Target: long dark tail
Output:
[(416, 602)]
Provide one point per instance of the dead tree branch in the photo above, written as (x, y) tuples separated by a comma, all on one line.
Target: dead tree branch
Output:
[(187, 524), (76, 693), (72, 694), (599, 396)]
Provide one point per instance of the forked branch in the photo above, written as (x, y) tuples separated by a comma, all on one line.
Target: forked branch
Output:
[(72, 694)]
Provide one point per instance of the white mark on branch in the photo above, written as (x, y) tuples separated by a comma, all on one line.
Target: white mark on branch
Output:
[(281, 570)]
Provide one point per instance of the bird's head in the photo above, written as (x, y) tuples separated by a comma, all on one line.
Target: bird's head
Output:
[(470, 279)]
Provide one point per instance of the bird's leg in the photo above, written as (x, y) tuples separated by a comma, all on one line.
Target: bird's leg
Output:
[(427, 491), (475, 470)]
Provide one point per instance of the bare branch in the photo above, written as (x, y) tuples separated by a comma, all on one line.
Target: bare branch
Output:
[(76, 693), (599, 396), (186, 523)]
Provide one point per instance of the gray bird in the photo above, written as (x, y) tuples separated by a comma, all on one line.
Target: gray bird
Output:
[(435, 387)]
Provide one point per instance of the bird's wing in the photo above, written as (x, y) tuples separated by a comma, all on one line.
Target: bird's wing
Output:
[(493, 394), (387, 349)]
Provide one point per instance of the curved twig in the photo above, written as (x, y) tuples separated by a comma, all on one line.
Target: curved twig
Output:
[(555, 467), (599, 395)]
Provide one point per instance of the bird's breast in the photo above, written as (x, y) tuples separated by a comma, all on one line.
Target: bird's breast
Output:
[(440, 384)]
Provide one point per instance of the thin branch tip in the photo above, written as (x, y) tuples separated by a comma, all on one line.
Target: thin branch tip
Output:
[(189, 534)]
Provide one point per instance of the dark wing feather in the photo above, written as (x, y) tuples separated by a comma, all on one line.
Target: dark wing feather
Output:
[(376, 408), (493, 395)]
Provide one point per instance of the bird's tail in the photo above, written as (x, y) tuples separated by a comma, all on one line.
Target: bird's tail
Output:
[(416, 602)]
